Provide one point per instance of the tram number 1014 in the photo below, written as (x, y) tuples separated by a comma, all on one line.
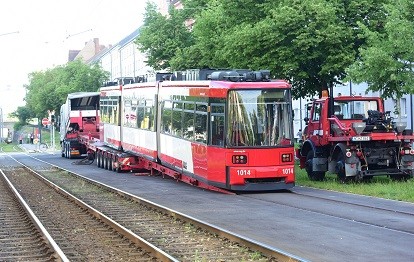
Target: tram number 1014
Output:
[(287, 171), (248, 172), (244, 172)]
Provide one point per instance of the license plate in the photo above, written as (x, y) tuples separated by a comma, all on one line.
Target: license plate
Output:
[(360, 138)]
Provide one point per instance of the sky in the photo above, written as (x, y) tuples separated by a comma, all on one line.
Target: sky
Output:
[(37, 35)]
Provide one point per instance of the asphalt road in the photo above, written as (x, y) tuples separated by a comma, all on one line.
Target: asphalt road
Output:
[(316, 225)]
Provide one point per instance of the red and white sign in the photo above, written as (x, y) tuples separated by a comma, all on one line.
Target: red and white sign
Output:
[(45, 121)]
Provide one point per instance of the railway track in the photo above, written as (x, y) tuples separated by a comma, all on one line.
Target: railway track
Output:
[(182, 237), (75, 228), (22, 236)]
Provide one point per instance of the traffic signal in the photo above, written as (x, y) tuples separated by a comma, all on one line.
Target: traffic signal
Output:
[(52, 119)]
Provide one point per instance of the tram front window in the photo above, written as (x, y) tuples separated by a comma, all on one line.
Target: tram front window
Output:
[(259, 118)]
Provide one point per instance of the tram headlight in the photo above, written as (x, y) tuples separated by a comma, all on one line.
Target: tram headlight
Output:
[(287, 157), (239, 159)]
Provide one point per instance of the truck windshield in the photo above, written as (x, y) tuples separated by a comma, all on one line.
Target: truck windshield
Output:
[(259, 118), (357, 109)]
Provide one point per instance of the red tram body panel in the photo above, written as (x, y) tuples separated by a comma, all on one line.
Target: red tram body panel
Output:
[(217, 134)]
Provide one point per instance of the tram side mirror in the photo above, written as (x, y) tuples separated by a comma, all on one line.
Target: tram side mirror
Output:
[(306, 119)]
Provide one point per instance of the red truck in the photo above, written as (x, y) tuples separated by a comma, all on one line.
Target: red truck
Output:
[(355, 138), (79, 116)]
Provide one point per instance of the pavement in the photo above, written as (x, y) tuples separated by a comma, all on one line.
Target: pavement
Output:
[(33, 148)]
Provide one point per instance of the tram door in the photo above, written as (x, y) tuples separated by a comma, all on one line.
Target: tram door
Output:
[(217, 125)]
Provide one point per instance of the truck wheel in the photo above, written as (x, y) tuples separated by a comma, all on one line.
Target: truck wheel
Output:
[(67, 150), (313, 175), (69, 154), (63, 149), (340, 169)]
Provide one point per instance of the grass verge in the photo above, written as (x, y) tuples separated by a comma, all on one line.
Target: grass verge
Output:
[(10, 148), (380, 186)]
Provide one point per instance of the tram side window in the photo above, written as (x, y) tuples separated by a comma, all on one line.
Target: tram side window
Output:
[(130, 109), (134, 109), (217, 125), (188, 121), (115, 113), (145, 115), (201, 123), (166, 124), (104, 112), (109, 110), (149, 114), (141, 114), (177, 119), (110, 115)]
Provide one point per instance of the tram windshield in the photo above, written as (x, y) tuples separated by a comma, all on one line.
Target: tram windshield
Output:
[(259, 118)]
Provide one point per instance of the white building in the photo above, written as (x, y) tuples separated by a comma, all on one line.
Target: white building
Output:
[(406, 104), (123, 59)]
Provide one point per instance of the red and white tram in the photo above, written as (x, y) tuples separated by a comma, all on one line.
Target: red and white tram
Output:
[(232, 131)]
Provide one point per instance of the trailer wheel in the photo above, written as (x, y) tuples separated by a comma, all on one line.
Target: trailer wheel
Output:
[(105, 161), (313, 175), (110, 167), (98, 158)]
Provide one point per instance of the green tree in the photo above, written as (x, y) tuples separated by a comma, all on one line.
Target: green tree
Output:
[(161, 37), (214, 23), (387, 61), (369, 13), (308, 42), (48, 89), (23, 114), (305, 41)]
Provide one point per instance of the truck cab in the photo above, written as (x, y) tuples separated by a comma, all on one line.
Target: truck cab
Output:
[(354, 137)]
